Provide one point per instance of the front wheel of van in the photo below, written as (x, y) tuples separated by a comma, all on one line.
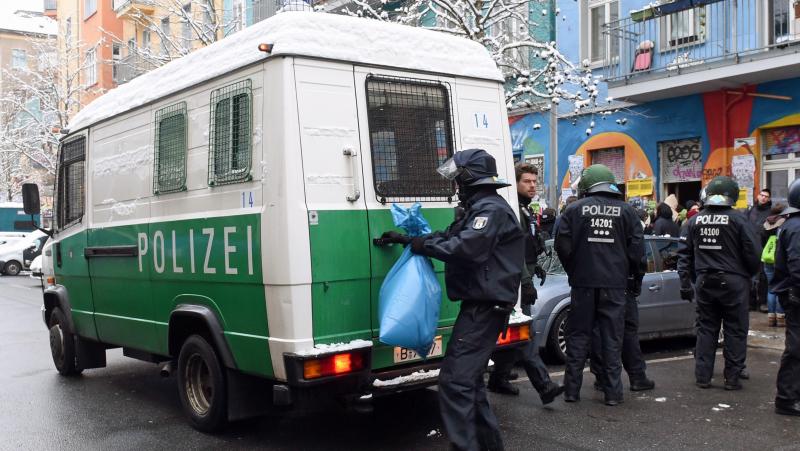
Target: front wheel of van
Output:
[(201, 385), (62, 344)]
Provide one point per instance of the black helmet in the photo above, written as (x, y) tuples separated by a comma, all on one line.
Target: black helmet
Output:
[(472, 167), (793, 198), (721, 191), (597, 178)]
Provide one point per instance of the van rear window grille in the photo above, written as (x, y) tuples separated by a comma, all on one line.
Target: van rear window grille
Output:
[(410, 134), (170, 149), (229, 142), (71, 192)]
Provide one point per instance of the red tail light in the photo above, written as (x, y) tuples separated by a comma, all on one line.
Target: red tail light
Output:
[(515, 333), (333, 365)]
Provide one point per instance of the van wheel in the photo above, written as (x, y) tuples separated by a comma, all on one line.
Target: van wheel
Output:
[(62, 344), (201, 385), (557, 336), (12, 268)]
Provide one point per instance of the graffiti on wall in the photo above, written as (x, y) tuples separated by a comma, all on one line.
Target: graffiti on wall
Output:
[(681, 160)]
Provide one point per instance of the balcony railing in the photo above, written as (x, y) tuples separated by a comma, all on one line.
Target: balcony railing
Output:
[(688, 35), (120, 5), (130, 67)]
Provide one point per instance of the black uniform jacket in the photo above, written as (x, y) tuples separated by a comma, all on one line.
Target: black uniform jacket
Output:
[(787, 257), (718, 239), (600, 242), (483, 251)]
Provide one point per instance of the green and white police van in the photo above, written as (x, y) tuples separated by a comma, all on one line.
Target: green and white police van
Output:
[(217, 214)]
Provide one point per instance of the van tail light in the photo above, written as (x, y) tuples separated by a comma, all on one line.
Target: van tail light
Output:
[(514, 334), (333, 365)]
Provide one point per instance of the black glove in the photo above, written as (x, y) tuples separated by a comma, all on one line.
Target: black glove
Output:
[(528, 295), (540, 273), (687, 294), (395, 237), (417, 245), (634, 287)]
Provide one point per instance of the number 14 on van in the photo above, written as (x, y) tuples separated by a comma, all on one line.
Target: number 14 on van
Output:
[(247, 199)]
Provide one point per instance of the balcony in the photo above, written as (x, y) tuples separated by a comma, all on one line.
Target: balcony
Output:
[(130, 67), (692, 46), (125, 8)]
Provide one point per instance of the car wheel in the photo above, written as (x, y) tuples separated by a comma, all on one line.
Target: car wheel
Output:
[(201, 385), (12, 268), (557, 336), (62, 344)]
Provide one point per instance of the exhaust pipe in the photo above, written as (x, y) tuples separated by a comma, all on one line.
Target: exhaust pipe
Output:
[(166, 369)]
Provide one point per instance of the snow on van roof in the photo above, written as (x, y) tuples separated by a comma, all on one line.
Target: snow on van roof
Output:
[(312, 34)]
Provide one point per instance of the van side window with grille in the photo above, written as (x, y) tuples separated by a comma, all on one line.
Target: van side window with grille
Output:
[(71, 187), (170, 149), (411, 134), (229, 142)]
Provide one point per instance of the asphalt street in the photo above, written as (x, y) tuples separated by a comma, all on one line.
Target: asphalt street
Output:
[(128, 406)]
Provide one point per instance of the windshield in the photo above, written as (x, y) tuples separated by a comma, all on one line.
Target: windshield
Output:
[(549, 261)]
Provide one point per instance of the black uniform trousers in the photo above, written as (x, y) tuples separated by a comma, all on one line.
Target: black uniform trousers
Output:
[(467, 417), (789, 373), (632, 359), (721, 298), (605, 307), (531, 361)]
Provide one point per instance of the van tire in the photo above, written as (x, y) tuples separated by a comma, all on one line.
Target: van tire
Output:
[(12, 268), (556, 337), (202, 386), (62, 344)]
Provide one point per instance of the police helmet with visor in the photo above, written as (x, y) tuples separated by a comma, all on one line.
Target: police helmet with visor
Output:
[(472, 167), (597, 178), (721, 191), (793, 198)]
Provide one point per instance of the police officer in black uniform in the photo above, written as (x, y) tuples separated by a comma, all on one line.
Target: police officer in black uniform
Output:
[(786, 284), (720, 255), (599, 242), (483, 254), (504, 360)]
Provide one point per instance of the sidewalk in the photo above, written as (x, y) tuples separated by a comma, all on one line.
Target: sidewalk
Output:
[(762, 336)]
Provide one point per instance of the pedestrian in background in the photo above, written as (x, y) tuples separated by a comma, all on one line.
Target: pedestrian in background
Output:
[(483, 251), (664, 224), (599, 243), (757, 214), (769, 238), (720, 255), (786, 284)]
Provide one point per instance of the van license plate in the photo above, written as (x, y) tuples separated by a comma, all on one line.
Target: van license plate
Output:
[(407, 355)]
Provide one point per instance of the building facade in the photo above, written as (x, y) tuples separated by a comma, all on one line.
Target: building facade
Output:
[(696, 89)]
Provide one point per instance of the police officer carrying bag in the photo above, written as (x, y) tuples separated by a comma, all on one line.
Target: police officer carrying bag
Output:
[(786, 284), (483, 254), (720, 255)]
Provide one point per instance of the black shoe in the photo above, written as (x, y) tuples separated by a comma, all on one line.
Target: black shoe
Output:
[(702, 384), (611, 402), (502, 386), (512, 376), (571, 398), (786, 408), (744, 374), (733, 384), (550, 393), (642, 384)]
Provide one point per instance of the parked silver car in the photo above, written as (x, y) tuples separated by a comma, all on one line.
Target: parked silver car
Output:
[(662, 312)]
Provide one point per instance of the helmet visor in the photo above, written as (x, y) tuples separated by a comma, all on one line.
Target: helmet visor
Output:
[(449, 169)]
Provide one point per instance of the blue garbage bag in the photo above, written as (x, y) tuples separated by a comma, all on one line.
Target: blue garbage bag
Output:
[(408, 308)]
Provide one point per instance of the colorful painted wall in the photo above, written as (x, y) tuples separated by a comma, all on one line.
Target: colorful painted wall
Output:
[(719, 119)]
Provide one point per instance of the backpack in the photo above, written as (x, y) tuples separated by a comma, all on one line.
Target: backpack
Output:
[(768, 254)]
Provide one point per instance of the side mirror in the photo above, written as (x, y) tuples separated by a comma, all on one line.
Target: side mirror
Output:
[(30, 198)]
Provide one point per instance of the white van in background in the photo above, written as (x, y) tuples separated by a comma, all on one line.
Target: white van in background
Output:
[(12, 254)]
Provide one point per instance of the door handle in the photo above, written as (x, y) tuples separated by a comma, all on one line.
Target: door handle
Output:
[(654, 287), (356, 194)]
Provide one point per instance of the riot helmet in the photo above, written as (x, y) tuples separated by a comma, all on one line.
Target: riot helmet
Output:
[(721, 191), (793, 198), (597, 178), (472, 168)]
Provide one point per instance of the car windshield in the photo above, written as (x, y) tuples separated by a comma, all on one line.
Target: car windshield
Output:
[(549, 261)]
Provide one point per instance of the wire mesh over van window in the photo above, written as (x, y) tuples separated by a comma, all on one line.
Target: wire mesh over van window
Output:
[(170, 153), (411, 134), (71, 184), (229, 141)]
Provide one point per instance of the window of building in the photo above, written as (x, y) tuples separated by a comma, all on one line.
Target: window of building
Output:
[(614, 159), (165, 35), (229, 142), (781, 160), (170, 149), (146, 40), (598, 45), (411, 134), (89, 8), (68, 32), (186, 27), (71, 192), (19, 59), (116, 58), (90, 67), (683, 28)]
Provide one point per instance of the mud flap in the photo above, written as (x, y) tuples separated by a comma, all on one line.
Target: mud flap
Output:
[(89, 354), (248, 396)]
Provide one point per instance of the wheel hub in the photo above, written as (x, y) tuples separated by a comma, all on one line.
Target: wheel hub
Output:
[(199, 387)]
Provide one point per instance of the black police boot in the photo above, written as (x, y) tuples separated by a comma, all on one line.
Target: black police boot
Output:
[(744, 374), (733, 384), (703, 384), (551, 391), (572, 397), (642, 384), (787, 408), (502, 386), (613, 401), (512, 376)]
